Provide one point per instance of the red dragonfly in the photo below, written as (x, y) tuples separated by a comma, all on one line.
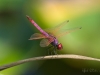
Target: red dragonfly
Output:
[(50, 36)]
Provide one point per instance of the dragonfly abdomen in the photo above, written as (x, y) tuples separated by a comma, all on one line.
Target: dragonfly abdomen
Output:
[(35, 24)]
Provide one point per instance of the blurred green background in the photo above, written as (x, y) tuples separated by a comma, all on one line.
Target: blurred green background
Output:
[(15, 30)]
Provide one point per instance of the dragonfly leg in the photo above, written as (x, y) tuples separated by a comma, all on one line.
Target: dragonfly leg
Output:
[(55, 50), (49, 50), (52, 51)]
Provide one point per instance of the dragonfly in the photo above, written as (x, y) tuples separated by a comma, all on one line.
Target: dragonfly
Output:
[(50, 36)]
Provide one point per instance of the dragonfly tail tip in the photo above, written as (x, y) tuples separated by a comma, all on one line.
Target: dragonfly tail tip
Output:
[(27, 16)]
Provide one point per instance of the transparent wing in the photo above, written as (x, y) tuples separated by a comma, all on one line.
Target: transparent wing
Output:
[(37, 36), (46, 42), (57, 28), (64, 32)]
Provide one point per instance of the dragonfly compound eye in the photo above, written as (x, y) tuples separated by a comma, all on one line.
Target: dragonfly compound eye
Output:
[(59, 46)]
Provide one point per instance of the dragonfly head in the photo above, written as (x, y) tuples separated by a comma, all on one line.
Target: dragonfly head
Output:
[(59, 46)]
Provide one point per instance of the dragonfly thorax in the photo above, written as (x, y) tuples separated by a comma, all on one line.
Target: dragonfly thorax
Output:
[(55, 43)]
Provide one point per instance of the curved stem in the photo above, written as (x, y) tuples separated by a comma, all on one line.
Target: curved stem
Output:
[(71, 56)]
